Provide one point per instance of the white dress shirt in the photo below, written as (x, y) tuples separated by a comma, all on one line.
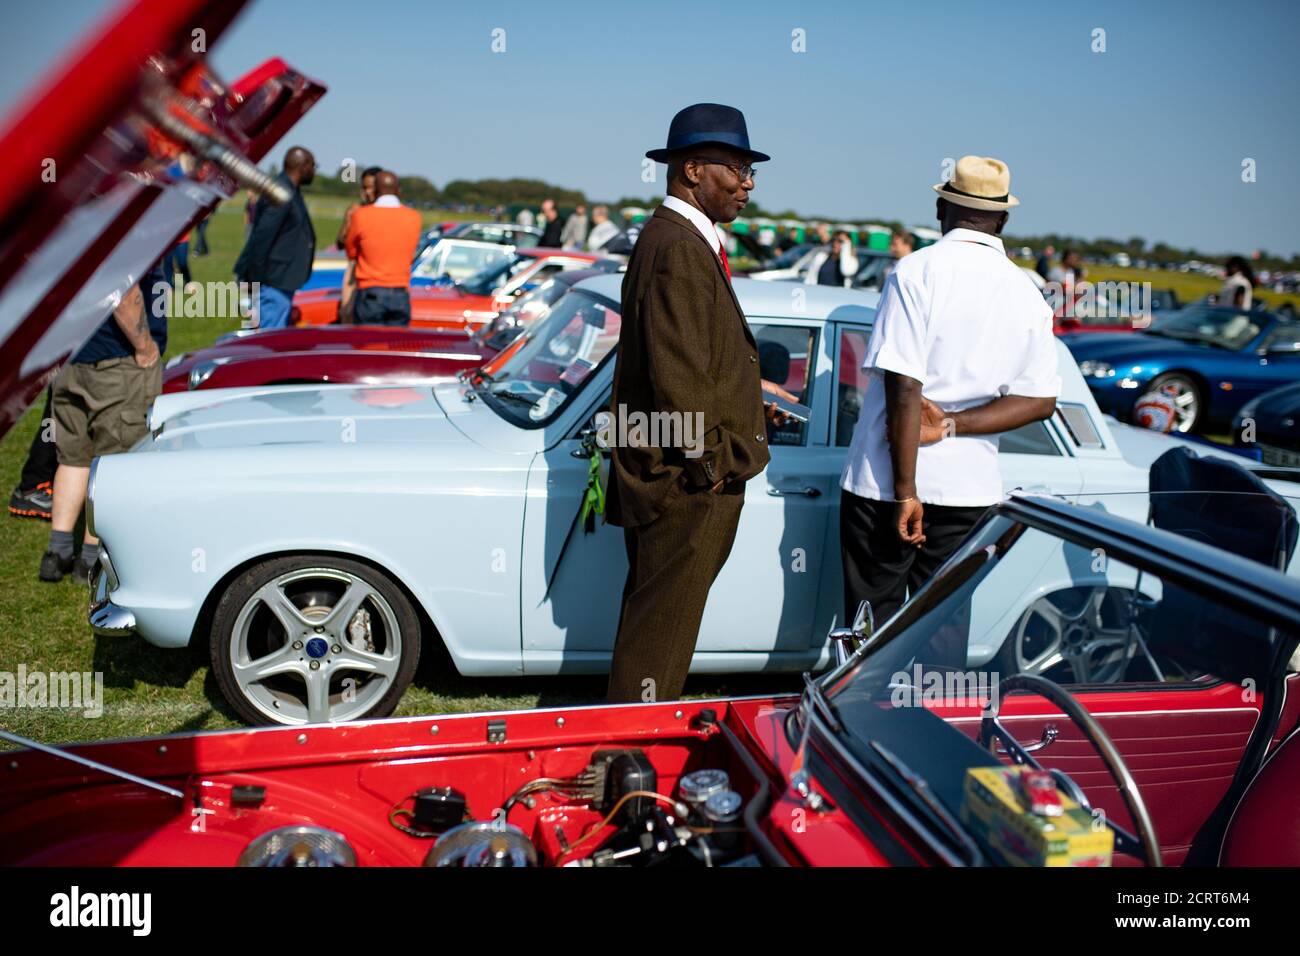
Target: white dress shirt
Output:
[(964, 321), (386, 202), (696, 219)]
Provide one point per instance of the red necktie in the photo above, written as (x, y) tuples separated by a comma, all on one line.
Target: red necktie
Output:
[(722, 251)]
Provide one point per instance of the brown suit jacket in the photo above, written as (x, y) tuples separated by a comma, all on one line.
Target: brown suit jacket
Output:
[(684, 346)]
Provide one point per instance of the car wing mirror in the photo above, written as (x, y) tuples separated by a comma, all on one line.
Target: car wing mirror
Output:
[(588, 444), (847, 640)]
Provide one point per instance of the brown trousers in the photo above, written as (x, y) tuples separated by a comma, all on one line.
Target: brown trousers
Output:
[(672, 563)]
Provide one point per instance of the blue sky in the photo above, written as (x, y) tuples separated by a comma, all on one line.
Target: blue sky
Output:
[(1144, 139)]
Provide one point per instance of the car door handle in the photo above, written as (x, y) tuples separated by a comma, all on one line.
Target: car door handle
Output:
[(1050, 733), (808, 492)]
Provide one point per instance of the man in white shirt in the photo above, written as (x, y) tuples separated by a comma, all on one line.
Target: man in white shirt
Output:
[(835, 266), (961, 323)]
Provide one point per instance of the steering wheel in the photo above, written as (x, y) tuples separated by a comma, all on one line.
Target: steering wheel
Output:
[(1144, 845)]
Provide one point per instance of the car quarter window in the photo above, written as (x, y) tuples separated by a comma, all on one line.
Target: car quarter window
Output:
[(786, 356), (1031, 439), (850, 383)]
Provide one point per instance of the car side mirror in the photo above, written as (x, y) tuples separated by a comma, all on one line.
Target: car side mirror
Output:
[(846, 640)]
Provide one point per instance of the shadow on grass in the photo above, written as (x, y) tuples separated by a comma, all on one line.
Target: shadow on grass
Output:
[(437, 675), (126, 661)]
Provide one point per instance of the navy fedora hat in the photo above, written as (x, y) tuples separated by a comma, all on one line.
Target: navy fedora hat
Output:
[(708, 123)]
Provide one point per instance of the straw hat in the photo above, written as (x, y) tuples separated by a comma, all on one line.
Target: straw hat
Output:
[(979, 182)]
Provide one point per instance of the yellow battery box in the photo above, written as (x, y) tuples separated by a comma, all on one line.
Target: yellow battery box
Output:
[(995, 811)]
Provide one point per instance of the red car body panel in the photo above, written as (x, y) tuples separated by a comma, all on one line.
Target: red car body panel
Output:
[(436, 307), (1063, 326), (359, 354), (355, 367)]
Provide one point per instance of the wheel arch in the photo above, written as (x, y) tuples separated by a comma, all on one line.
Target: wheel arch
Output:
[(203, 621)]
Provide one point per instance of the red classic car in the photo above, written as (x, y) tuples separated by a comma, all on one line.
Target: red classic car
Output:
[(1190, 757), (463, 305), (358, 354)]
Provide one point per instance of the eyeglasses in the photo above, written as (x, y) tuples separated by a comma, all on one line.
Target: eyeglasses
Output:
[(744, 170)]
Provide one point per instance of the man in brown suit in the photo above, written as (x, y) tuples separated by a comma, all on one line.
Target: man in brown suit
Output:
[(684, 349)]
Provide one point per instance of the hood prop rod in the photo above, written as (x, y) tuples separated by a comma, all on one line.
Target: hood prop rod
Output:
[(92, 764)]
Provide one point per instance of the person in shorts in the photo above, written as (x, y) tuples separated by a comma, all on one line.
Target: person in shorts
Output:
[(100, 404)]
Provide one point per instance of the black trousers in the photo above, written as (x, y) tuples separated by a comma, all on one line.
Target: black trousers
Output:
[(42, 458), (878, 566), (672, 563), (376, 305)]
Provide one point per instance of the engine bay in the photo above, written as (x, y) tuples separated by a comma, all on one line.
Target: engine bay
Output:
[(680, 797)]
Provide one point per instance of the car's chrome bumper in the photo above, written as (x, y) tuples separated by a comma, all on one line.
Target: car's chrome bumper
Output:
[(106, 618)]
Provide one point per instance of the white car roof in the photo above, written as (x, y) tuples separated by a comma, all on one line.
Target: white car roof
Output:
[(776, 300), (786, 300)]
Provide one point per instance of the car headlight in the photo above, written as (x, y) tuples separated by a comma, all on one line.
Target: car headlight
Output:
[(1093, 369), (201, 373)]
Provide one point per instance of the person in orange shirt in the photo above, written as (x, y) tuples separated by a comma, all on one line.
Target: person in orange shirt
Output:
[(382, 238), (349, 275)]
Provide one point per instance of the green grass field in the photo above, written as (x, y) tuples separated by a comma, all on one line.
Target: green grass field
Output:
[(1189, 287), (151, 691)]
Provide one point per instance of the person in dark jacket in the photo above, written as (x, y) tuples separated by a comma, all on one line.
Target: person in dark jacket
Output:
[(553, 228), (685, 349), (282, 244)]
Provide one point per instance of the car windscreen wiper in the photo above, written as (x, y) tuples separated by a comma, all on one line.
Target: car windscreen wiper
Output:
[(919, 786), (513, 396)]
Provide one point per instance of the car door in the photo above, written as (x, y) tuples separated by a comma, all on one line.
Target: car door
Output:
[(765, 599), (1278, 357), (1174, 698)]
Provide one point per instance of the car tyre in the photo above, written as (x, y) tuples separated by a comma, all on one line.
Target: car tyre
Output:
[(313, 638), (1186, 386)]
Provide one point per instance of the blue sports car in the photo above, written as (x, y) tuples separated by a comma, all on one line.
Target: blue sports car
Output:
[(1209, 360)]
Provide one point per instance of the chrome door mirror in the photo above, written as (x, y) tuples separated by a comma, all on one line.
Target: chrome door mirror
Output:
[(846, 640)]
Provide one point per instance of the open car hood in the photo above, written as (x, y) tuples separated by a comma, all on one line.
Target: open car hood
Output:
[(92, 193)]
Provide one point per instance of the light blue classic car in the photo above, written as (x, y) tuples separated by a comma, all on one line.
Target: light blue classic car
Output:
[(315, 536)]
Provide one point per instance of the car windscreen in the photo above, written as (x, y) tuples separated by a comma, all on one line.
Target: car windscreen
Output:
[(1017, 599), (538, 374), (493, 277), (1224, 328)]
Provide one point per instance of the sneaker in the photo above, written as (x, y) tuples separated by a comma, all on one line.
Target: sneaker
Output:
[(85, 573), (35, 502), (53, 567)]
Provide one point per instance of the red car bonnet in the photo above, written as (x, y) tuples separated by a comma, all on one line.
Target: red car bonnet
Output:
[(91, 194)]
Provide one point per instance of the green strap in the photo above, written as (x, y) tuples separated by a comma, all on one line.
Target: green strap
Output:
[(593, 499), (593, 503)]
